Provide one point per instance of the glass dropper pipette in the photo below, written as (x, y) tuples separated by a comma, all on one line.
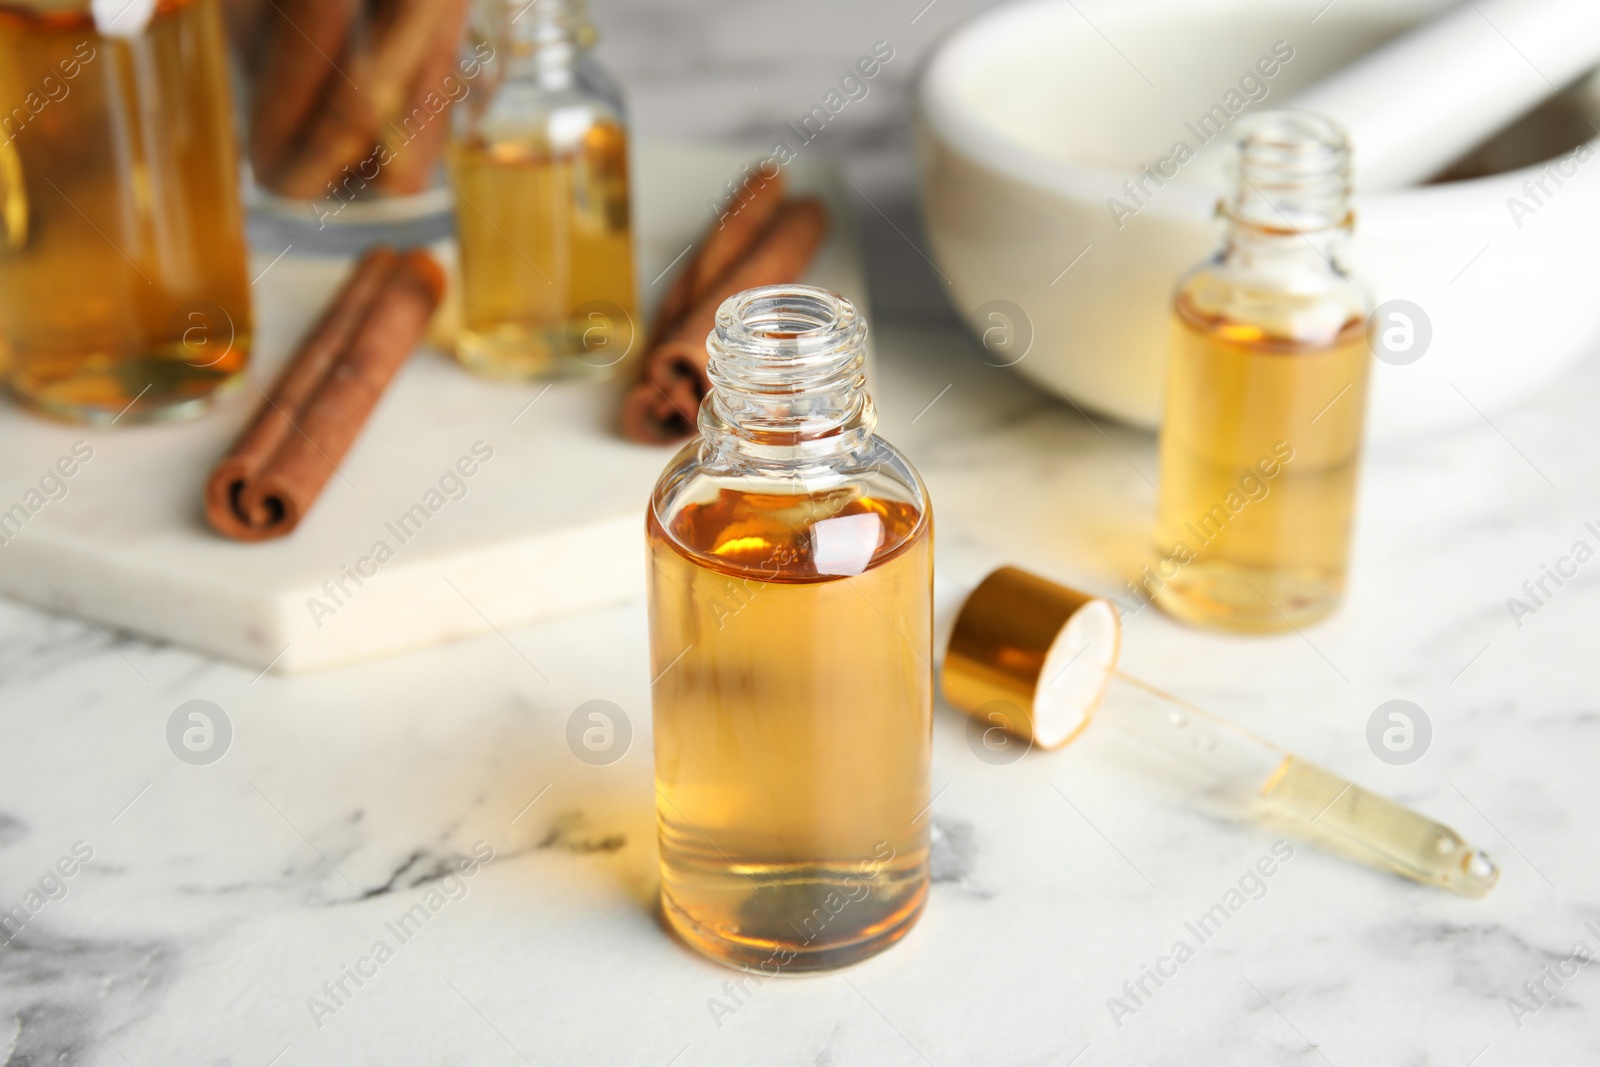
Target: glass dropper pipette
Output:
[(1286, 787), (1039, 660)]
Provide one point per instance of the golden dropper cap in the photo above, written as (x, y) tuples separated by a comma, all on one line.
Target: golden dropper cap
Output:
[(1031, 657)]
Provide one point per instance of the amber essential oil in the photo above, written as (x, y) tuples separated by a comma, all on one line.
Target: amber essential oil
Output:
[(1266, 397), (124, 291), (791, 640), (539, 167)]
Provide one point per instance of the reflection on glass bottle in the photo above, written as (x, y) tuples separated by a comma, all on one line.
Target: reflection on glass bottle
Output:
[(1266, 395), (540, 169), (791, 589), (124, 292)]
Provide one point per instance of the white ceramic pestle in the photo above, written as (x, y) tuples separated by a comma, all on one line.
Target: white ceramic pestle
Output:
[(1420, 102)]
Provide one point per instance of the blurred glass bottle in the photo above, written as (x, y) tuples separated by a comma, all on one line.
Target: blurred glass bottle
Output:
[(349, 106), (791, 634), (124, 290), (540, 169), (1266, 394)]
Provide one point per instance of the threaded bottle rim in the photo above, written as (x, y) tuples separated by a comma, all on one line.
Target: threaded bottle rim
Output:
[(788, 362), (1293, 173)]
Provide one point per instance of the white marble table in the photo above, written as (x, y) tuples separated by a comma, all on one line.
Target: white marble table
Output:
[(220, 899)]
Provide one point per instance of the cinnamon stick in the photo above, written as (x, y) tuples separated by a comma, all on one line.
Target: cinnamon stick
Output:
[(745, 216), (246, 21), (280, 464), (661, 408), (653, 416), (307, 38), (416, 135), (379, 75)]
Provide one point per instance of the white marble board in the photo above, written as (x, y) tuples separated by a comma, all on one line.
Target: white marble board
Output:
[(550, 524)]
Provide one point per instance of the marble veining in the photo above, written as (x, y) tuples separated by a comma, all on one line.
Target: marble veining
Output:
[(67, 997), (225, 904), (224, 900)]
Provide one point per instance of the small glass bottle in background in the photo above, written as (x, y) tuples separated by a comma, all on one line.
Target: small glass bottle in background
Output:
[(540, 169), (124, 284), (348, 107), (791, 634), (1266, 395)]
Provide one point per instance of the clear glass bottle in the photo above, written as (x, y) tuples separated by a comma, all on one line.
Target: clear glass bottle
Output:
[(1266, 395), (124, 283), (539, 163), (791, 631), (347, 107)]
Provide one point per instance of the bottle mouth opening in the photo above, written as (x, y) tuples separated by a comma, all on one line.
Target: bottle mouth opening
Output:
[(787, 365), (777, 319), (1290, 132), (548, 23), (794, 325)]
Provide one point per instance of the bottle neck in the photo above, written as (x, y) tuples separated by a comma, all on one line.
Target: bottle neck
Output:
[(543, 40), (1290, 211), (1285, 254), (788, 372)]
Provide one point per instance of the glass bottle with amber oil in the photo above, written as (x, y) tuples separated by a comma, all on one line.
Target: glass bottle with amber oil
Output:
[(791, 631), (1266, 395), (539, 163), (124, 282)]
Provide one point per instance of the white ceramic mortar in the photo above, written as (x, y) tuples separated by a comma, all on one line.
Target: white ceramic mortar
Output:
[(1032, 116)]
